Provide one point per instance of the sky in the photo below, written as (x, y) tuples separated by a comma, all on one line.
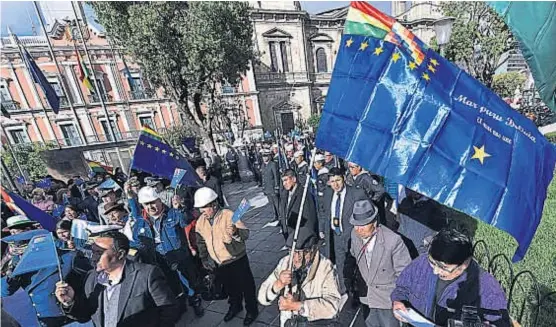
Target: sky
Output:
[(19, 14)]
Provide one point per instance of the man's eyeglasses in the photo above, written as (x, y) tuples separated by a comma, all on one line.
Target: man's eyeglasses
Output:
[(441, 266)]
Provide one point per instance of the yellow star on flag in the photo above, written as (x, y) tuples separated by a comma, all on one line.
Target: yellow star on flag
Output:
[(426, 77), (396, 56), (349, 42), (363, 46), (412, 65), (378, 51), (480, 154), (434, 62), (431, 68)]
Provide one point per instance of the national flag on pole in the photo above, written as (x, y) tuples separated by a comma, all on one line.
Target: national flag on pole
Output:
[(98, 168), (83, 71), (21, 206), (241, 210), (399, 109), (39, 78), (533, 24), (153, 155), (40, 253)]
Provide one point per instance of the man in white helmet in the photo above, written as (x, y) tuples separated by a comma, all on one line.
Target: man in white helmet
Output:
[(171, 245), (221, 246)]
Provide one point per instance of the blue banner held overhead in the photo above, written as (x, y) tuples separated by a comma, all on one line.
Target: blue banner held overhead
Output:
[(426, 124)]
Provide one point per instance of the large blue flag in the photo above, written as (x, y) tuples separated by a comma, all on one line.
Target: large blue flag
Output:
[(40, 253), (155, 156), (39, 78), (47, 221), (402, 111)]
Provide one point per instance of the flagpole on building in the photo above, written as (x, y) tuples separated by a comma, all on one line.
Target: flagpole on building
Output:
[(61, 76), (97, 86), (33, 85)]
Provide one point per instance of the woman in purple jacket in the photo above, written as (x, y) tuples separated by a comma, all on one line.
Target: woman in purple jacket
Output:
[(440, 283)]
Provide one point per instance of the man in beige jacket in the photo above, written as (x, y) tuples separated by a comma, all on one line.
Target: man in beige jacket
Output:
[(318, 301), (221, 245)]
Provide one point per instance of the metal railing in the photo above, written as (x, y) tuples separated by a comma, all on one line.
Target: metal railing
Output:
[(10, 105), (526, 300), (277, 77), (321, 77), (143, 94), (94, 98)]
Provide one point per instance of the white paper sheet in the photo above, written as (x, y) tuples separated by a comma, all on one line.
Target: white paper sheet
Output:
[(414, 318)]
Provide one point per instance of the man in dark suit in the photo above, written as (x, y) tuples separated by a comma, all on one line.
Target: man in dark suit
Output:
[(210, 182), (290, 204), (271, 181), (334, 223), (119, 292)]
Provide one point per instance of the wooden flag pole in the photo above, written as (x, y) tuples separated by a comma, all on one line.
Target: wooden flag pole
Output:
[(300, 214)]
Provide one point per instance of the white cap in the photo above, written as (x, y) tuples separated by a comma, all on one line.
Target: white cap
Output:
[(147, 194), (275, 146), (319, 157), (18, 220), (289, 147), (204, 196), (298, 154)]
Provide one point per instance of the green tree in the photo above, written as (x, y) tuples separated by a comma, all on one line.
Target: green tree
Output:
[(479, 38), (187, 48), (314, 121), (29, 158), (505, 84)]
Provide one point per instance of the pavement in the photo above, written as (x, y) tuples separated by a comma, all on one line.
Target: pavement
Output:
[(264, 248)]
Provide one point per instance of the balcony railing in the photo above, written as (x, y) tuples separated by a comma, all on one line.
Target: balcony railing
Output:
[(63, 101), (120, 136), (143, 94), (10, 105), (276, 77), (94, 98), (321, 77)]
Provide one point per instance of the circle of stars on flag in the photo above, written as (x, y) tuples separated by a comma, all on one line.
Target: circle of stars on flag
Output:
[(174, 155)]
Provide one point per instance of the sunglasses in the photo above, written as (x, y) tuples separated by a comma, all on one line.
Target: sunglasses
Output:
[(441, 266)]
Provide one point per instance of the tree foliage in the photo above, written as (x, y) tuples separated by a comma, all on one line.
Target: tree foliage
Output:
[(314, 121), (29, 158), (505, 84), (187, 48), (479, 38)]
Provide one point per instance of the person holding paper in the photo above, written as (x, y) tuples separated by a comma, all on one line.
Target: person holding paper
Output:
[(221, 246), (439, 283)]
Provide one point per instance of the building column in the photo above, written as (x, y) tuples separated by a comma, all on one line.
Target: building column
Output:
[(36, 128), (112, 81), (18, 86), (162, 121), (70, 73)]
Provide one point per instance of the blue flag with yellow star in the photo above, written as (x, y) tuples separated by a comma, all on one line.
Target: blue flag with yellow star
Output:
[(402, 111), (153, 155)]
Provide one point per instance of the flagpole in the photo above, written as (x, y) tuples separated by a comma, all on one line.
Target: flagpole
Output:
[(97, 86), (62, 81), (58, 259), (34, 87), (300, 214)]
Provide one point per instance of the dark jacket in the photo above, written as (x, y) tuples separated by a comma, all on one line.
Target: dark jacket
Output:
[(372, 187), (289, 213), (419, 221), (90, 206), (40, 286), (214, 184), (145, 299), (416, 286), (271, 178)]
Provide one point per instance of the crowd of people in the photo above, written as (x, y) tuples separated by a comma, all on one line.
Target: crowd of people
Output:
[(152, 251)]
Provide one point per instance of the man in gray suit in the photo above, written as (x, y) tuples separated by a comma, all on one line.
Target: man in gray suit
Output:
[(376, 259), (334, 223), (271, 181), (119, 292)]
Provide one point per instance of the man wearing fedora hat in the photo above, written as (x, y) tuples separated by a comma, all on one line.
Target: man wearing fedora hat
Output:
[(106, 195), (376, 259), (318, 300)]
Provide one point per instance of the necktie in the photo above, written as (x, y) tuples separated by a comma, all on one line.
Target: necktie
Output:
[(336, 221)]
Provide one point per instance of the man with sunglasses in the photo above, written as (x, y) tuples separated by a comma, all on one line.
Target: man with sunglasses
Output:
[(438, 284), (119, 292), (317, 301)]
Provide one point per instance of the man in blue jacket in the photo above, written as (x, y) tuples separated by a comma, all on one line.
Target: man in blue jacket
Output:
[(168, 225)]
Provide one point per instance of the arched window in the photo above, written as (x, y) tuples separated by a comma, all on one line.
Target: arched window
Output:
[(322, 67)]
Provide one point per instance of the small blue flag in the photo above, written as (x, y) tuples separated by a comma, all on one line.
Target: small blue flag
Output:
[(178, 175), (155, 156), (47, 221), (426, 124), (20, 180), (40, 253), (24, 236), (44, 183), (243, 207), (109, 183)]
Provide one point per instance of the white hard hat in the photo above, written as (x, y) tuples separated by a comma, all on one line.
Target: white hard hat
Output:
[(289, 147), (147, 194), (319, 157), (204, 196), (298, 154)]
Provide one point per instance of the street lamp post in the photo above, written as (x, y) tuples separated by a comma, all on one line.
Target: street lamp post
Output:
[(443, 31)]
